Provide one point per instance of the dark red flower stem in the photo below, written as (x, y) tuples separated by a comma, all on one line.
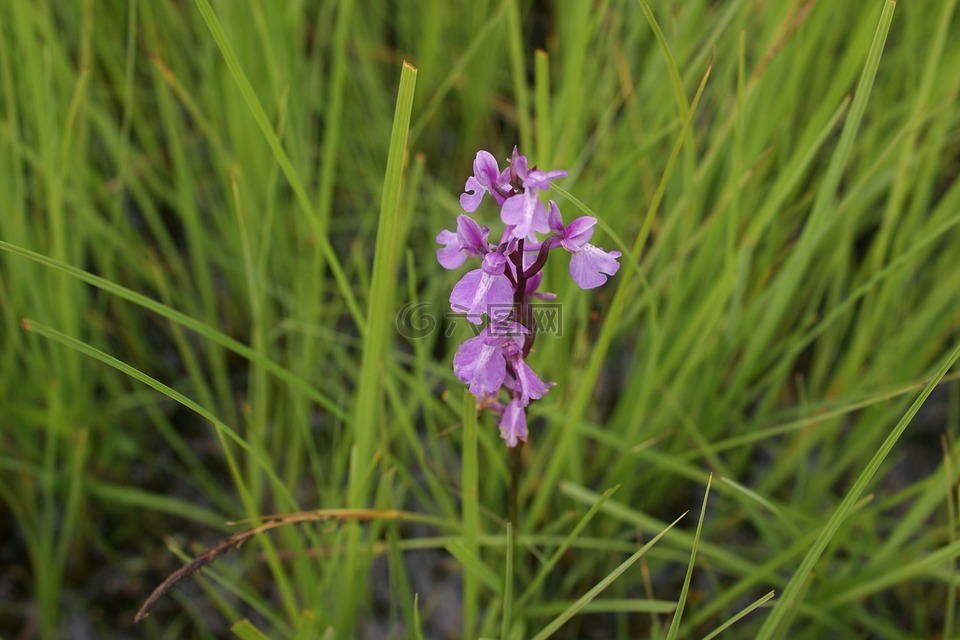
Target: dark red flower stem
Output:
[(540, 261), (524, 315)]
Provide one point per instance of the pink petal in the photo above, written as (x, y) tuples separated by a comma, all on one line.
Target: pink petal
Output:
[(472, 195), (590, 263), (513, 424), (478, 292), (578, 233), (471, 237), (480, 365), (450, 256), (530, 385), (485, 169), (525, 213), (554, 219)]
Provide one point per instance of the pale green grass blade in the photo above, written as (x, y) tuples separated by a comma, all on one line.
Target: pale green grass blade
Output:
[(221, 428), (253, 103), (383, 285), (777, 624), (685, 590), (376, 353), (548, 566), (470, 512), (417, 627), (506, 622), (542, 98), (183, 319), (623, 513), (920, 567), (819, 219), (590, 595), (245, 630), (152, 501), (679, 95), (472, 563), (740, 614), (604, 605)]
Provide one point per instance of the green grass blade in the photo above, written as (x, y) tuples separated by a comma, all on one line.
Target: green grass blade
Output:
[(256, 109), (740, 614), (221, 428), (685, 590), (777, 624), (245, 630), (548, 566), (590, 595), (373, 365), (470, 508), (819, 220), (472, 563), (506, 621), (187, 321)]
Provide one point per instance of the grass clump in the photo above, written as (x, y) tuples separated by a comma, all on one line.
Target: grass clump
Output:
[(214, 212)]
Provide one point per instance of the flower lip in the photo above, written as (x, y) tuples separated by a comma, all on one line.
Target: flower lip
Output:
[(480, 365), (590, 266)]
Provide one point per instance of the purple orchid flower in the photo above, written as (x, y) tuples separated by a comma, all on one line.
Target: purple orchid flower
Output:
[(469, 240), (482, 289), (494, 362), (480, 364), (486, 178), (481, 361), (524, 211), (513, 424), (589, 265)]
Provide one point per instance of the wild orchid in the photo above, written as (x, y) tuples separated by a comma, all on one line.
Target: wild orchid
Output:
[(510, 272)]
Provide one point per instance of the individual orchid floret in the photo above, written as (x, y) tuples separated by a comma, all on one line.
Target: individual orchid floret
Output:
[(524, 211), (589, 265), (482, 289), (513, 424), (480, 364), (469, 240), (486, 178), (533, 179), (570, 237), (473, 239)]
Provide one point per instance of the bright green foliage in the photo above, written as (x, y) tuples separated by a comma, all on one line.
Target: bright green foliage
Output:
[(213, 212)]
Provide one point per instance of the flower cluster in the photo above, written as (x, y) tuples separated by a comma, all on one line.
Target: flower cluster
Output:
[(509, 275)]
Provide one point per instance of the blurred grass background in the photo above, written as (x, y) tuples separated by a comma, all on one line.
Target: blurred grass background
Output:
[(205, 247)]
